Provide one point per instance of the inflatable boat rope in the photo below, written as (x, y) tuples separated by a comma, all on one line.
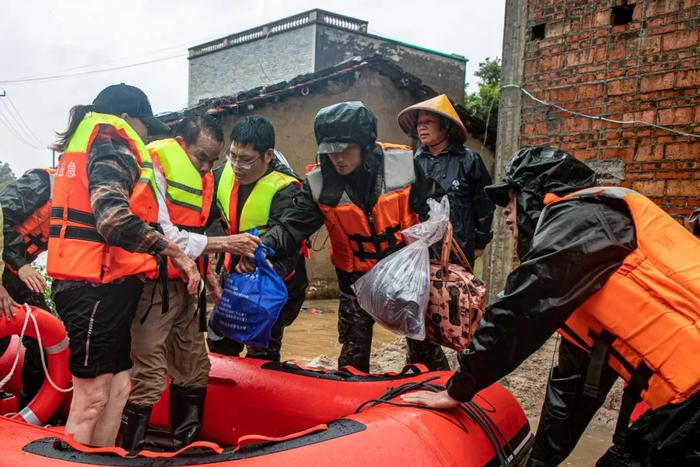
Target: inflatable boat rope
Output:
[(506, 454)]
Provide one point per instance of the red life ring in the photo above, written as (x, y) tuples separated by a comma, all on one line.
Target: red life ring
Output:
[(54, 340)]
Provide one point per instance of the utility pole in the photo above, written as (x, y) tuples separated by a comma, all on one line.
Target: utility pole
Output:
[(500, 259)]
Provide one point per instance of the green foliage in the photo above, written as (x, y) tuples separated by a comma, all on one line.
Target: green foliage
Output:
[(489, 71), (484, 103)]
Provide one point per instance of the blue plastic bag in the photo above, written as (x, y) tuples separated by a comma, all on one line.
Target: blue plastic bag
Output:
[(251, 303)]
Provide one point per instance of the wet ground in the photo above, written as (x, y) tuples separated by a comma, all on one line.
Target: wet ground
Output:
[(315, 333), (313, 339)]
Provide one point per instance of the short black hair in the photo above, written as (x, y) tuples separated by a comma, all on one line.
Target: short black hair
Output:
[(255, 131), (189, 128)]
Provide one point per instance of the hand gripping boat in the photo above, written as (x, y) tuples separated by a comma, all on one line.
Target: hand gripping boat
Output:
[(281, 414)]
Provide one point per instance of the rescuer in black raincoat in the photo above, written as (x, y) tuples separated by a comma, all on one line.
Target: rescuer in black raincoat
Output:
[(576, 250), (25, 209), (347, 132)]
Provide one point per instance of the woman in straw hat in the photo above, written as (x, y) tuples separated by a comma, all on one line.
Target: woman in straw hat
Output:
[(454, 170)]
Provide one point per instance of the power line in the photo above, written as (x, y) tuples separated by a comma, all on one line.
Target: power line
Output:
[(65, 72), (19, 120), (93, 65), (125, 57), (88, 72), (598, 117), (13, 131)]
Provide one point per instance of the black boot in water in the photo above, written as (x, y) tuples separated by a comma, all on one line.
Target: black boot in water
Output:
[(186, 412), (132, 432)]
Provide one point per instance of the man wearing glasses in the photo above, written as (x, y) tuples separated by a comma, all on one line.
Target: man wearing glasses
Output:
[(253, 189)]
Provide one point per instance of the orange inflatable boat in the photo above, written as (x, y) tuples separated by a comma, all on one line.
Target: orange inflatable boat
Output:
[(281, 414)]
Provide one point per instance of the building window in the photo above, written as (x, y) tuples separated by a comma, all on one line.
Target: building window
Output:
[(622, 14), (537, 32)]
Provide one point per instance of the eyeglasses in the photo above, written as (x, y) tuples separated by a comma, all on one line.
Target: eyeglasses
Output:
[(235, 160)]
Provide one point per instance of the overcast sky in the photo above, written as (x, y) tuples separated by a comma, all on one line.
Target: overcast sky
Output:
[(45, 38)]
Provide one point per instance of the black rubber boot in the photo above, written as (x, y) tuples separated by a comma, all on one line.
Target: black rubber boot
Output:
[(132, 431), (186, 413)]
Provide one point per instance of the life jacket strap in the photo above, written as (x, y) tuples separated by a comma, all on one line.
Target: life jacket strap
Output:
[(599, 360)]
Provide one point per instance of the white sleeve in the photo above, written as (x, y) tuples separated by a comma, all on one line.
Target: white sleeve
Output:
[(192, 244)]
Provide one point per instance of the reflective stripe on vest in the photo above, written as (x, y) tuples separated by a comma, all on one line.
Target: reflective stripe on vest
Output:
[(189, 194), (76, 249), (35, 228), (256, 210), (358, 239), (649, 308)]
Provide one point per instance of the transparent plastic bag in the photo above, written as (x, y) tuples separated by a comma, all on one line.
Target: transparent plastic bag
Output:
[(396, 290)]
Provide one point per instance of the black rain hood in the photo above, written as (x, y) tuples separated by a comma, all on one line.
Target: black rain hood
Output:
[(337, 126), (532, 173), (346, 122)]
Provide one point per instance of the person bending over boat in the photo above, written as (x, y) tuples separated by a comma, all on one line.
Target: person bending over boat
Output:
[(619, 279)]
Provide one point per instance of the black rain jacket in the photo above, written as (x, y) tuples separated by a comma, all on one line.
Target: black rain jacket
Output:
[(578, 246), (461, 174), (19, 201)]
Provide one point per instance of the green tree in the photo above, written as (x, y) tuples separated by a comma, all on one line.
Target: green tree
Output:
[(484, 103), (6, 175)]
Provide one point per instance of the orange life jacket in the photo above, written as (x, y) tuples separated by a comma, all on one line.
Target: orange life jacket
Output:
[(76, 249), (360, 239), (645, 321), (188, 195), (35, 228)]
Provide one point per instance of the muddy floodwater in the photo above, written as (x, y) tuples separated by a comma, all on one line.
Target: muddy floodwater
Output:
[(313, 339), (315, 333)]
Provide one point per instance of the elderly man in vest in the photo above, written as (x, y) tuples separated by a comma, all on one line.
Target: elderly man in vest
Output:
[(253, 190), (25, 208), (366, 193), (619, 279), (170, 343), (102, 239)]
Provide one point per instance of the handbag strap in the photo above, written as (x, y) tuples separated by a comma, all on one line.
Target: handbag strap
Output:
[(449, 245)]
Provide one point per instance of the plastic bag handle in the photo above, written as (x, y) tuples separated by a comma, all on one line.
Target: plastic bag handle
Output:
[(449, 245)]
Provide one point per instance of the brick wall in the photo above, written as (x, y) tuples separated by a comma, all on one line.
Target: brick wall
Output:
[(647, 69)]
